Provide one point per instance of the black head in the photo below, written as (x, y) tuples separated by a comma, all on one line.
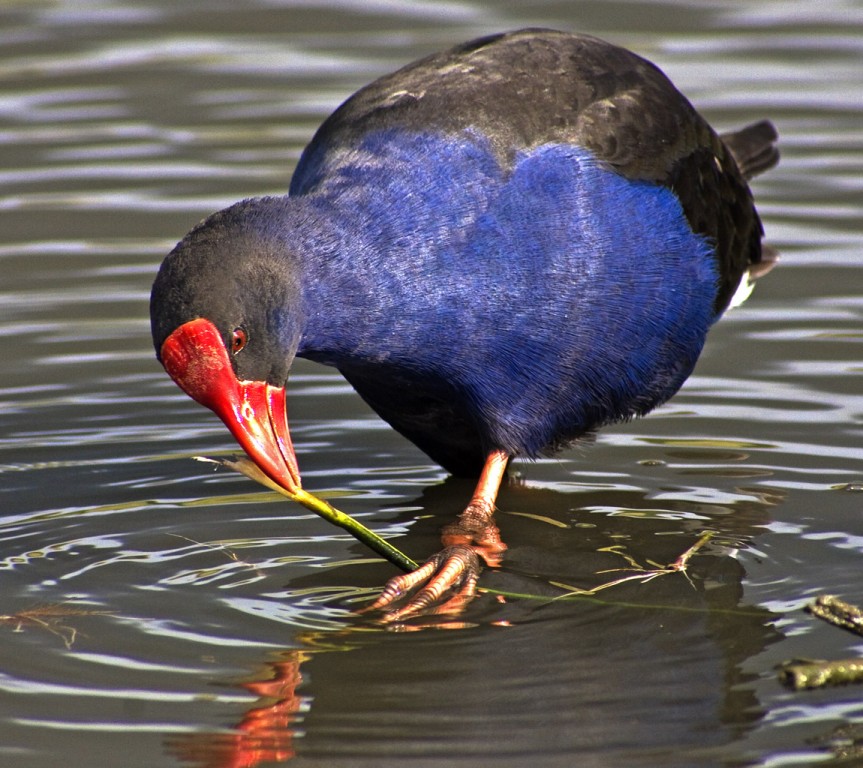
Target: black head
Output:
[(235, 270), (225, 313)]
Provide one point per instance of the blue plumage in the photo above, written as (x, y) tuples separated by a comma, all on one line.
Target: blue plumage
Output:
[(535, 292)]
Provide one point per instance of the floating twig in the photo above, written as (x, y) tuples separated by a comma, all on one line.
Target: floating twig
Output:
[(801, 675), (221, 547), (808, 674), (48, 617), (641, 573), (837, 612)]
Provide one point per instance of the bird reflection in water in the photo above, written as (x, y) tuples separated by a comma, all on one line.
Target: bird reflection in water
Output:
[(266, 732)]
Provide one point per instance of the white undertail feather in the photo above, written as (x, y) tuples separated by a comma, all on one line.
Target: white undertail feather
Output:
[(769, 257), (743, 292)]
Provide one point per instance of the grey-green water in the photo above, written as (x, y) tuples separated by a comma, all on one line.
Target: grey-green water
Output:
[(121, 125)]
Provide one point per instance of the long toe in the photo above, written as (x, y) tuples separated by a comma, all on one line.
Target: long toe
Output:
[(398, 586), (453, 606), (454, 568)]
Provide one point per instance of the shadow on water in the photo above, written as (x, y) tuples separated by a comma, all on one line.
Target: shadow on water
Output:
[(639, 673)]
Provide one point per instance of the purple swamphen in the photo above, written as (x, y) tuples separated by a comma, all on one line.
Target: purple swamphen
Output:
[(502, 247)]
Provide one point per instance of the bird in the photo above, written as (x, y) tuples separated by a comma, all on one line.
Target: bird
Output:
[(502, 247)]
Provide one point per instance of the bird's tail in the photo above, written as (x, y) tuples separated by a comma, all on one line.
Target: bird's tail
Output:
[(753, 147), (754, 150)]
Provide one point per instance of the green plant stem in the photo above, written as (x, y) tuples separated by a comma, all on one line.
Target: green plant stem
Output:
[(326, 511)]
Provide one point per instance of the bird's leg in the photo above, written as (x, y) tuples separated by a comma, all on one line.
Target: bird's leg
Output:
[(457, 566), (475, 526)]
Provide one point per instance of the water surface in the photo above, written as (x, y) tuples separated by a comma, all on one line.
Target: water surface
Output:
[(159, 613)]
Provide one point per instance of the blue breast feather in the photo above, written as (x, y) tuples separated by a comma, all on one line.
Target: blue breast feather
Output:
[(548, 295)]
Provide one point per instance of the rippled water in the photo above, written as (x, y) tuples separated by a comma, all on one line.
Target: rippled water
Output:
[(155, 612)]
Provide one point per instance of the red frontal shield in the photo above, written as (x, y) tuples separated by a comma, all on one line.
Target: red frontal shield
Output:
[(195, 357)]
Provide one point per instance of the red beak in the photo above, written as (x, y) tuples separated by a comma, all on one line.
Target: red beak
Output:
[(195, 357)]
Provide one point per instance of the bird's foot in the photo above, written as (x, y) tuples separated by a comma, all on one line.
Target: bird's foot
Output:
[(449, 578), (452, 569)]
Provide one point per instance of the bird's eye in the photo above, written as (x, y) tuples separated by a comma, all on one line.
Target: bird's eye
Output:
[(238, 340)]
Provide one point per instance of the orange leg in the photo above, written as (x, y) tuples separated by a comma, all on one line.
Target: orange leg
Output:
[(457, 567)]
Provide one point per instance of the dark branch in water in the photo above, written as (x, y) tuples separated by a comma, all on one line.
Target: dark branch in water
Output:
[(835, 611), (808, 674), (801, 675)]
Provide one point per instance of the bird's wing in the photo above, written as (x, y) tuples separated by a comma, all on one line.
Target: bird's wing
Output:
[(534, 87)]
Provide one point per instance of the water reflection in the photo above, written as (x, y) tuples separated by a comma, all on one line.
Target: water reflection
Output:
[(266, 732), (631, 676)]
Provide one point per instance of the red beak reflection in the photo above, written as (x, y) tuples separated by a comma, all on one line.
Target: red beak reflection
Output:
[(195, 357)]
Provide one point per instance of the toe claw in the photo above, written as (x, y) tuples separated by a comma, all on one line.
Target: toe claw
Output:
[(454, 568), (397, 586)]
